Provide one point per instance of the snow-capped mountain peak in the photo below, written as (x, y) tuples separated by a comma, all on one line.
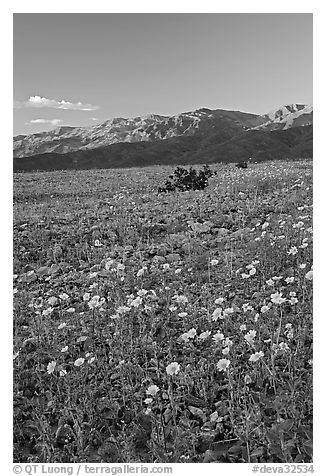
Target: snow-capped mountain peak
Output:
[(289, 115)]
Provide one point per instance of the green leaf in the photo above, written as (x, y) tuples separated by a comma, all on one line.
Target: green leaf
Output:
[(257, 452)]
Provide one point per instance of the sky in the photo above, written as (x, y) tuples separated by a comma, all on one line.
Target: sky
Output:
[(81, 69)]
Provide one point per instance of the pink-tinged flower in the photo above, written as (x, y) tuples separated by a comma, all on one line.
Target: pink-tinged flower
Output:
[(247, 379), (51, 366), (270, 282), (64, 296), (309, 275), (302, 265), (173, 368), (276, 298), (79, 362), (81, 339), (218, 337), (243, 327), (204, 335), (86, 297), (256, 356), (214, 262), (152, 390), (141, 272), (192, 333), (214, 417), (300, 224), (223, 365), (179, 299), (63, 373), (293, 251), (228, 341), (96, 302), (283, 347), (47, 311), (264, 309), (250, 336), (227, 311), (219, 300), (183, 314), (123, 309), (52, 300), (64, 349), (109, 264), (246, 307), (289, 280), (185, 337), (148, 401), (217, 314), (62, 325), (142, 292), (252, 271), (136, 302)]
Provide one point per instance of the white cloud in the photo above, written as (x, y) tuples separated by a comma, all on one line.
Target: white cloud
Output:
[(94, 118), (54, 122), (38, 101)]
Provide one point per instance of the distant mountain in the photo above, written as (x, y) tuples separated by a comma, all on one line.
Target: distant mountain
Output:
[(182, 150), (200, 136), (149, 128), (292, 115)]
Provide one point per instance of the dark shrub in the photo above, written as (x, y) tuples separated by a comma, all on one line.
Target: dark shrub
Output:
[(242, 165), (183, 179)]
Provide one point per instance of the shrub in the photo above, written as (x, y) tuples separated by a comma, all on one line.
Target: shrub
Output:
[(183, 179)]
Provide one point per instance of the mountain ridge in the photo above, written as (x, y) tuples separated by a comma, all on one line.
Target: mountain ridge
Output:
[(181, 150), (65, 139), (200, 136)]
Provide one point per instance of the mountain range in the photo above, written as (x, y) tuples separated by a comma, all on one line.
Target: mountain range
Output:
[(201, 136)]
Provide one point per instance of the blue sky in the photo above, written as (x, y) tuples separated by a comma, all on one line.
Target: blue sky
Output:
[(80, 69)]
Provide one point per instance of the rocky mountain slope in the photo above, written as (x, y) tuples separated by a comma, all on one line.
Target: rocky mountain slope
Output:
[(201, 136), (292, 115), (261, 145), (149, 128)]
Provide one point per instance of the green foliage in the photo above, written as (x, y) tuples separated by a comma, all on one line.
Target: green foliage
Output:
[(114, 282), (185, 180)]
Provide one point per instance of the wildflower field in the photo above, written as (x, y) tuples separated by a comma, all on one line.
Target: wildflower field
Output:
[(163, 327)]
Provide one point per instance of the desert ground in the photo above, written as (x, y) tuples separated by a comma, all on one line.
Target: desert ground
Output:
[(163, 327)]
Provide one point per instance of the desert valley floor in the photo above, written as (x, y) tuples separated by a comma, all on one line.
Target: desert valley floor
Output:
[(163, 327)]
